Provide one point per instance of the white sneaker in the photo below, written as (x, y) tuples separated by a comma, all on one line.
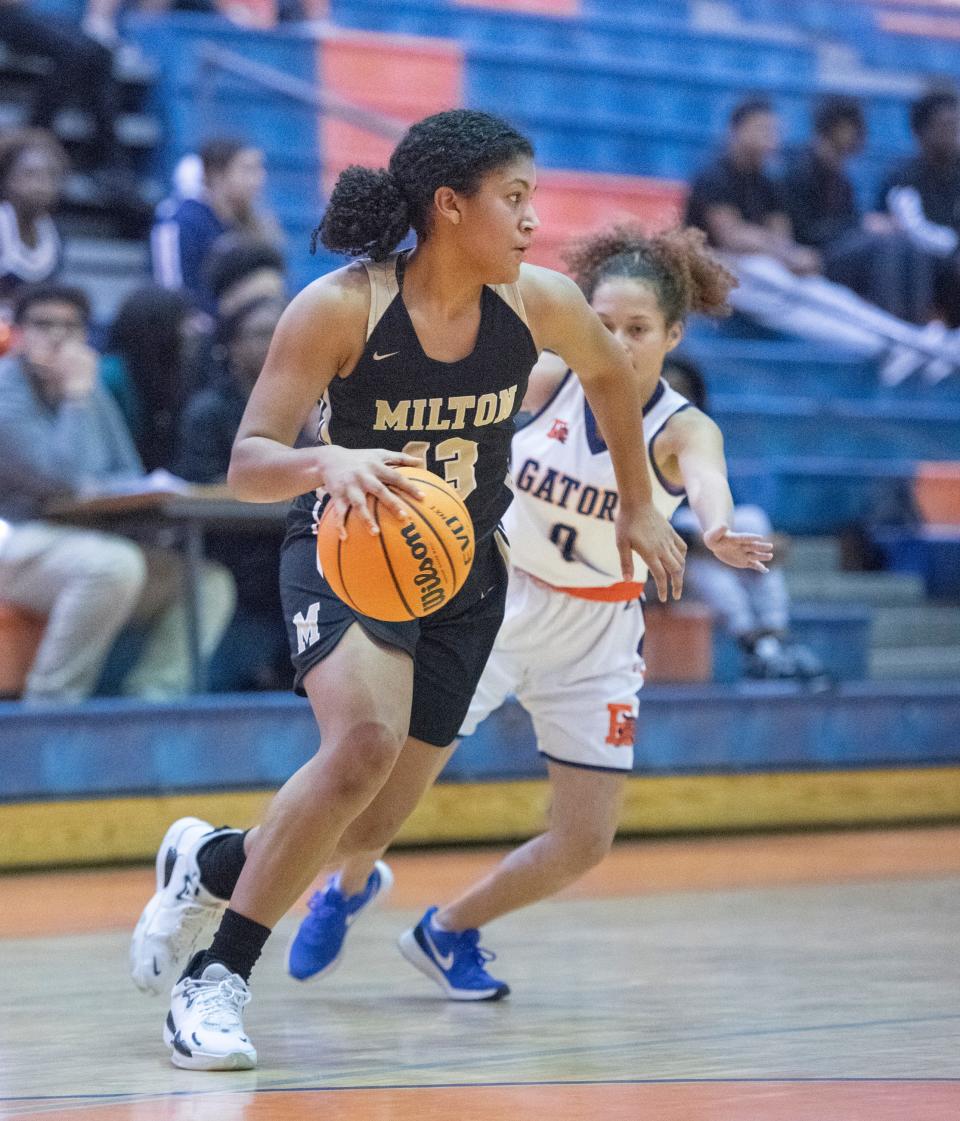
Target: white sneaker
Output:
[(181, 916), (204, 1027)]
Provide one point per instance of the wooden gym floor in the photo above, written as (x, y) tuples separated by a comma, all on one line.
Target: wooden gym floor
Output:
[(789, 978)]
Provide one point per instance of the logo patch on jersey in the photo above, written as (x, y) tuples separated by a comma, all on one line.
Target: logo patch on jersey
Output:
[(380, 357), (559, 430), (623, 725)]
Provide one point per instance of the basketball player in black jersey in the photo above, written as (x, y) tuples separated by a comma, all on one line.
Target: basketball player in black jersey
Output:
[(419, 357)]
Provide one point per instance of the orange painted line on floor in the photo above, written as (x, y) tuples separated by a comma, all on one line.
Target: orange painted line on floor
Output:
[(672, 1101), (75, 902)]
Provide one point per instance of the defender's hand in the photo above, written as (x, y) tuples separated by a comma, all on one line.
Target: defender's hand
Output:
[(739, 550), (647, 532)]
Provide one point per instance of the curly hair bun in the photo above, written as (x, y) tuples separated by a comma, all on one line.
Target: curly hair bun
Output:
[(368, 215)]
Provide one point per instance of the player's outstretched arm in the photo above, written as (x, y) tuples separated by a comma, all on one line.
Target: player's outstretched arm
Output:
[(320, 336), (691, 447), (563, 321)]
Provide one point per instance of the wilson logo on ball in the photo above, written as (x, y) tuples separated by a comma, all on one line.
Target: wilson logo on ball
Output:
[(413, 566), (427, 580)]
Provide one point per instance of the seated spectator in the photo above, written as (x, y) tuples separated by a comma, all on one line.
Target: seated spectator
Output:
[(241, 269), (739, 204), (255, 652), (744, 212), (753, 607), (923, 194), (80, 74), (865, 252), (186, 230), (149, 368), (32, 166), (60, 432)]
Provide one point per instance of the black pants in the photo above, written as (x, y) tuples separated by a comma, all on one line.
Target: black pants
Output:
[(81, 73), (886, 269), (947, 289)]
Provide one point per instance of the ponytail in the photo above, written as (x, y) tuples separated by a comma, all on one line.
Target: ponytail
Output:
[(368, 215)]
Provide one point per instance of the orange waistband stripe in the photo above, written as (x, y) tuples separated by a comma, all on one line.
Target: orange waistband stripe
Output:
[(615, 593), (612, 593)]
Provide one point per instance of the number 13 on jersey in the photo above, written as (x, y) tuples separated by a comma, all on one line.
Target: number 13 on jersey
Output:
[(458, 456)]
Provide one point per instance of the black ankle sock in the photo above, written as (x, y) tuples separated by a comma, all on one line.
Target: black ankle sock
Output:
[(221, 861), (238, 943)]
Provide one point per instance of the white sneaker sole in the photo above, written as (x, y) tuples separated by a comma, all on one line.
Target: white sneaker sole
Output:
[(412, 950), (201, 1060), (386, 886), (154, 982)]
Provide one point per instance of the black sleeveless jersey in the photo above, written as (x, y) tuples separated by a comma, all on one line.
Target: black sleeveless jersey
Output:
[(458, 416)]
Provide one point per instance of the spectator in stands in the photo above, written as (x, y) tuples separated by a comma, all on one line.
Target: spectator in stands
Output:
[(60, 432), (149, 368), (255, 653), (241, 269), (865, 252), (736, 200), (32, 166), (745, 214), (923, 194), (80, 74), (754, 608), (186, 230)]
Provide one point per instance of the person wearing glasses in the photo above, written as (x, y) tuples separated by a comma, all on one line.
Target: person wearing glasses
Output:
[(60, 434)]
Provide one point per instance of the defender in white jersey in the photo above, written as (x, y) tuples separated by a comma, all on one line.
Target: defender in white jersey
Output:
[(568, 647)]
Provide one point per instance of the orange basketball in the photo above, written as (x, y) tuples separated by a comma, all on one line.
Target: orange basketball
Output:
[(413, 566)]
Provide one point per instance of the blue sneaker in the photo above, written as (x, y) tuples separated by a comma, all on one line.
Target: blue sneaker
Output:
[(455, 960), (317, 947)]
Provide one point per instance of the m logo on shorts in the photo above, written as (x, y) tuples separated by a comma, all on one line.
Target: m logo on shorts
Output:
[(623, 725), (307, 630)]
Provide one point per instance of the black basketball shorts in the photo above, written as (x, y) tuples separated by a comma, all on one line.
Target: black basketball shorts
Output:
[(449, 648)]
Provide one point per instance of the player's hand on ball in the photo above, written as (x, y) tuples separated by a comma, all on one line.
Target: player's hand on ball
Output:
[(351, 476), (647, 532), (739, 550)]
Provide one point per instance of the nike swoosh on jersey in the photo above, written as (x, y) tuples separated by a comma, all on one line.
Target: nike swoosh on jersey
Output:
[(445, 961), (380, 357)]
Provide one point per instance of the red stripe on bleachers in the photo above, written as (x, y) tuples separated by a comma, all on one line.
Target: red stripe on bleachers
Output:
[(573, 203), (936, 489), (403, 76), (408, 77)]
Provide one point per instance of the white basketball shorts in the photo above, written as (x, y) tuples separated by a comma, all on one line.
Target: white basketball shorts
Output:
[(574, 666)]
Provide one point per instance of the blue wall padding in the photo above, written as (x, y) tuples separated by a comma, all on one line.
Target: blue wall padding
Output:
[(107, 748)]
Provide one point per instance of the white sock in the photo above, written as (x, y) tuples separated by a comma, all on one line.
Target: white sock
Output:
[(437, 925)]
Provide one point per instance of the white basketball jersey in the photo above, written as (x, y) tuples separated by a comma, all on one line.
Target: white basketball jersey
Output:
[(560, 523)]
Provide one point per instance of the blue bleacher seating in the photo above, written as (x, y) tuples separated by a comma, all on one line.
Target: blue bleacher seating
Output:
[(932, 552), (787, 368), (760, 425), (602, 35), (838, 634), (818, 494)]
